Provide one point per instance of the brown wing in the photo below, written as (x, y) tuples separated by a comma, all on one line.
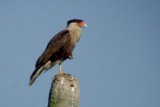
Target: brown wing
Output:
[(53, 47), (57, 44)]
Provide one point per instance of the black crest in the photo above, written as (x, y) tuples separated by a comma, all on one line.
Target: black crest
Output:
[(74, 20)]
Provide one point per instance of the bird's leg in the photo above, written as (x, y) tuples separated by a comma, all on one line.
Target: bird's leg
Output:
[(60, 69), (71, 56)]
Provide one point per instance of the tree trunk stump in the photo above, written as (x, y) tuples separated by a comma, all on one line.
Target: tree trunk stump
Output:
[(64, 91)]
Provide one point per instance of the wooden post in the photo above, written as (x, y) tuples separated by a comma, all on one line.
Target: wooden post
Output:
[(64, 91)]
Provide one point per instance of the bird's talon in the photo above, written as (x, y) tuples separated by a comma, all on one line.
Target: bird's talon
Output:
[(70, 56)]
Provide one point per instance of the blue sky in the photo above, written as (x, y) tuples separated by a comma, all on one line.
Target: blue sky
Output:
[(117, 60)]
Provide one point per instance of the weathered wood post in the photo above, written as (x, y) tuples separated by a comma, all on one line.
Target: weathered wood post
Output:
[(64, 91)]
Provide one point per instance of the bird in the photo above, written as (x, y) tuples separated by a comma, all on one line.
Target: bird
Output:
[(59, 48)]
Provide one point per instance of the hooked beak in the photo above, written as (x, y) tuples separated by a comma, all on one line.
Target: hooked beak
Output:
[(85, 25)]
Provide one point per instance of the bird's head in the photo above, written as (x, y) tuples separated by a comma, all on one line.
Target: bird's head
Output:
[(76, 23)]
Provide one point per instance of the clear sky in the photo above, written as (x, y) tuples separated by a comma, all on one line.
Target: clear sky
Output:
[(117, 60)]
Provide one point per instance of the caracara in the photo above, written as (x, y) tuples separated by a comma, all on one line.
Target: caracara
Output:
[(59, 48)]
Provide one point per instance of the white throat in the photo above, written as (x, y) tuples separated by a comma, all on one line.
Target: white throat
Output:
[(75, 32)]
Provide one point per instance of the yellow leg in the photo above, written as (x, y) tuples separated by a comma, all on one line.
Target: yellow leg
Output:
[(60, 69)]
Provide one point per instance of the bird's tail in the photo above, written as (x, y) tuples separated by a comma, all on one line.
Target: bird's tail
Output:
[(35, 74)]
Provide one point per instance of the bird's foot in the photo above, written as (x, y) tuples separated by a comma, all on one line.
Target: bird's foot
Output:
[(70, 56)]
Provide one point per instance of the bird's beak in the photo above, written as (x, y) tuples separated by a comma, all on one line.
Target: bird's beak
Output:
[(85, 25)]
